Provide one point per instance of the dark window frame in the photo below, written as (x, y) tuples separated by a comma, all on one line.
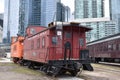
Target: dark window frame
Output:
[(54, 40), (81, 42), (68, 35)]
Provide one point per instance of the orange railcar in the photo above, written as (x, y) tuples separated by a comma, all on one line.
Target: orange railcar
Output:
[(17, 48)]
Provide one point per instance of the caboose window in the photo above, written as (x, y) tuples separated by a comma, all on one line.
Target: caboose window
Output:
[(32, 44), (68, 35), (43, 42), (54, 40), (119, 46), (14, 48), (114, 47), (81, 41), (32, 31), (38, 43)]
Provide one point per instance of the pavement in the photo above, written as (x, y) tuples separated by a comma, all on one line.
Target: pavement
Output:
[(5, 60), (70, 78), (66, 77)]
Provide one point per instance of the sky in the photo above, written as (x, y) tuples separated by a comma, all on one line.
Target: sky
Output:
[(1, 6), (69, 3)]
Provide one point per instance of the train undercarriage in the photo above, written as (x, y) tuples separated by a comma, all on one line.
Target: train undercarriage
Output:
[(56, 67), (104, 59)]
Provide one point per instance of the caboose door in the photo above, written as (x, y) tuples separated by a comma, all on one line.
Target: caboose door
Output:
[(67, 44)]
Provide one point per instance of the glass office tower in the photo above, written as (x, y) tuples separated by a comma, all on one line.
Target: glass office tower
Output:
[(95, 9)]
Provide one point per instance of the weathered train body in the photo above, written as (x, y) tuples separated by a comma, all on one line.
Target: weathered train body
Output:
[(106, 49), (59, 48), (17, 48)]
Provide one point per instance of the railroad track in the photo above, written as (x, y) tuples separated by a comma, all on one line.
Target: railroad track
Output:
[(110, 64), (108, 70), (107, 67)]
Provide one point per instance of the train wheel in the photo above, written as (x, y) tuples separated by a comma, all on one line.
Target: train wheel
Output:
[(44, 68), (73, 73), (62, 71), (55, 71), (15, 60), (21, 62), (48, 71), (30, 65)]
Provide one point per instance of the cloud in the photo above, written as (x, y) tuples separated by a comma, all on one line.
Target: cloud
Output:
[(1, 6), (69, 3)]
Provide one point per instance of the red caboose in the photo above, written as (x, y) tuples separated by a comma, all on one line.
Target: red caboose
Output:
[(59, 48)]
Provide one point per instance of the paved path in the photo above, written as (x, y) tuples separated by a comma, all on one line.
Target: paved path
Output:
[(70, 78), (5, 60)]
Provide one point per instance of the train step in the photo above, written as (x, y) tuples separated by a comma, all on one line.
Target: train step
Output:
[(88, 67)]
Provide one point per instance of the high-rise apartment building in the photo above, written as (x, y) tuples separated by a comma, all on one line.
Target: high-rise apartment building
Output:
[(88, 9), (115, 13), (96, 9)]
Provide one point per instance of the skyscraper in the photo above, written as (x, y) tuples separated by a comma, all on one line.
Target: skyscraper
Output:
[(1, 27), (22, 13), (95, 9), (11, 19), (29, 14), (60, 13), (67, 14), (88, 9), (36, 12), (48, 11), (115, 12)]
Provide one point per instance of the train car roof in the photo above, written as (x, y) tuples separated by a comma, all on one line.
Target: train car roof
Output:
[(75, 24), (36, 26), (111, 37), (52, 25)]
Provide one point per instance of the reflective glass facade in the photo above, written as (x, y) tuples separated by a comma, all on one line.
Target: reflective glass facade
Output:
[(95, 9), (11, 19)]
